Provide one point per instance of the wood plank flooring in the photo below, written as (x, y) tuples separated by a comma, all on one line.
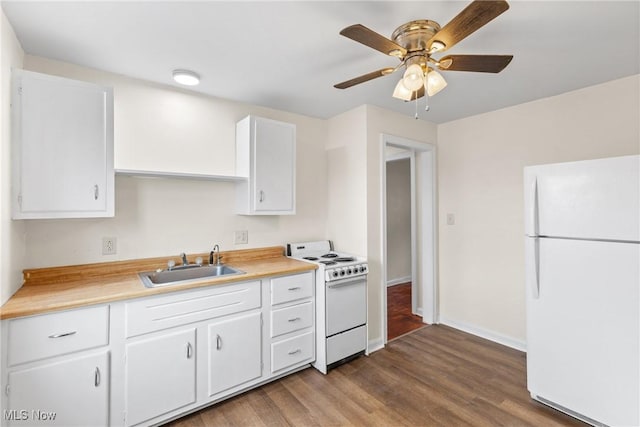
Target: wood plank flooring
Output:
[(400, 319), (435, 376)]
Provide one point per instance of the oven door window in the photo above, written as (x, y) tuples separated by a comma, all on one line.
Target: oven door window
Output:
[(346, 304)]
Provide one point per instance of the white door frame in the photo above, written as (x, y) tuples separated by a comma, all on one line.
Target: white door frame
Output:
[(423, 218)]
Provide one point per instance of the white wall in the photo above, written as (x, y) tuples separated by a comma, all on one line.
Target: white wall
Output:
[(380, 121), (347, 181), (480, 162), (398, 221), (12, 246), (157, 217)]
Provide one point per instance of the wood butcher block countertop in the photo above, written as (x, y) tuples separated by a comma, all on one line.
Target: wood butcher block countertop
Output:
[(59, 288)]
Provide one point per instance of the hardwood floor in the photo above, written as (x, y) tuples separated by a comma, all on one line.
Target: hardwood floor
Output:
[(400, 320), (436, 376)]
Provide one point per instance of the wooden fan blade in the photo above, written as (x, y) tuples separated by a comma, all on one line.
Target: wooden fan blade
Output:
[(364, 78), (478, 63), (472, 18), (370, 38)]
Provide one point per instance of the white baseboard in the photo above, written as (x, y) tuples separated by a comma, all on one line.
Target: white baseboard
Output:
[(398, 281), (375, 345), (485, 333)]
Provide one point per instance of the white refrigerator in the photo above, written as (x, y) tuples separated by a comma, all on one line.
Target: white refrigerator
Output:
[(582, 249)]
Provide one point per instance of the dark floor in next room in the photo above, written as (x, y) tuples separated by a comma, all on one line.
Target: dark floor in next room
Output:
[(400, 320)]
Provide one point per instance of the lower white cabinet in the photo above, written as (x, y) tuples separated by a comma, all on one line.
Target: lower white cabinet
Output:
[(72, 392), (235, 352), (149, 360), (160, 375)]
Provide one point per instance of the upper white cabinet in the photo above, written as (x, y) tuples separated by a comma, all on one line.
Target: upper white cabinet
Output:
[(62, 148), (266, 153)]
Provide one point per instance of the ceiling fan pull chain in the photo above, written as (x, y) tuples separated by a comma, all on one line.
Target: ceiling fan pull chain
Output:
[(426, 91), (416, 116)]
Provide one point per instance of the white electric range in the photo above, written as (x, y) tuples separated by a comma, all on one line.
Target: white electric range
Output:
[(341, 302)]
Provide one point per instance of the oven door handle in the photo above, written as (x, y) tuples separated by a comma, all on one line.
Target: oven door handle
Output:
[(346, 282)]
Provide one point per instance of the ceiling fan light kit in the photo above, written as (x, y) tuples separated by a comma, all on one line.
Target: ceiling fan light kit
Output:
[(414, 43)]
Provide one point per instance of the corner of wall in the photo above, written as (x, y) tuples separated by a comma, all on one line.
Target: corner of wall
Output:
[(12, 246)]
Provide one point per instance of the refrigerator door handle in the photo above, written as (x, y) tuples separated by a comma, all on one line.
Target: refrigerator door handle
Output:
[(533, 267), (532, 229)]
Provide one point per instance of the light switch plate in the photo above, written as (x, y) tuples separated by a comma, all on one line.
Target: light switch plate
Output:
[(451, 219), (241, 237)]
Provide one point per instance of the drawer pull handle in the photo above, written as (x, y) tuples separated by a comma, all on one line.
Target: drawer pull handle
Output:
[(64, 334), (294, 288), (218, 342), (96, 377), (189, 350), (291, 353), (295, 319), (96, 192)]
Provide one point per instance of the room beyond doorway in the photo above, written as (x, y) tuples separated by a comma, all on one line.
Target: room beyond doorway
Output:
[(400, 319)]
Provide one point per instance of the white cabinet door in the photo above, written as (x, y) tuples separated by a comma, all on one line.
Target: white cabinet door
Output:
[(235, 352), (74, 392), (265, 153), (160, 375), (62, 140)]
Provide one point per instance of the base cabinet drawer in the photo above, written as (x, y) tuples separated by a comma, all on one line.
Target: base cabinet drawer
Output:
[(38, 337), (164, 312), (292, 351), (290, 319), (291, 288), (74, 392)]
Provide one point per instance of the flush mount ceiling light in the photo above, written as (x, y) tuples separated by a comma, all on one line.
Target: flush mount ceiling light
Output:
[(186, 77), (415, 42)]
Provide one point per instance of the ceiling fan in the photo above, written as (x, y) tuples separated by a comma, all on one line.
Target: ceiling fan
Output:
[(415, 42)]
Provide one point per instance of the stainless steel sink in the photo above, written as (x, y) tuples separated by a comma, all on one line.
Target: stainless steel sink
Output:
[(154, 279)]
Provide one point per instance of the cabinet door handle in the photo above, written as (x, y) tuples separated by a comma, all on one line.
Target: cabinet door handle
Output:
[(96, 192), (294, 288), (189, 350), (261, 196), (218, 342), (291, 353), (64, 334), (295, 319), (96, 377)]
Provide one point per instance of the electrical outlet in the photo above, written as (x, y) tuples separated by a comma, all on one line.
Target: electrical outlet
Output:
[(241, 237), (109, 246)]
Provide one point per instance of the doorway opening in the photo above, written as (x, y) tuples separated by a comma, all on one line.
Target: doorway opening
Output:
[(408, 235)]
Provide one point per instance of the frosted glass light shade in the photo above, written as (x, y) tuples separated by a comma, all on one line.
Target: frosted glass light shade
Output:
[(434, 82), (413, 77), (186, 77), (401, 92)]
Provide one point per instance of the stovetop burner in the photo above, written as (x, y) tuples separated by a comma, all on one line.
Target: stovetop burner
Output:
[(330, 255), (345, 259), (310, 258), (328, 262)]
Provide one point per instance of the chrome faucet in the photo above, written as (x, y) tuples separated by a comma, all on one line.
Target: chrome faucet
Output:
[(184, 259), (212, 256)]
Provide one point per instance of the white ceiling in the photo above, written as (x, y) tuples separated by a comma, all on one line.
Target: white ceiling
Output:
[(288, 55)]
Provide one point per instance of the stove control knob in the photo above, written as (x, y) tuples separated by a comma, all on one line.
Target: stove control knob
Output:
[(363, 268), (342, 272), (349, 270), (335, 273)]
